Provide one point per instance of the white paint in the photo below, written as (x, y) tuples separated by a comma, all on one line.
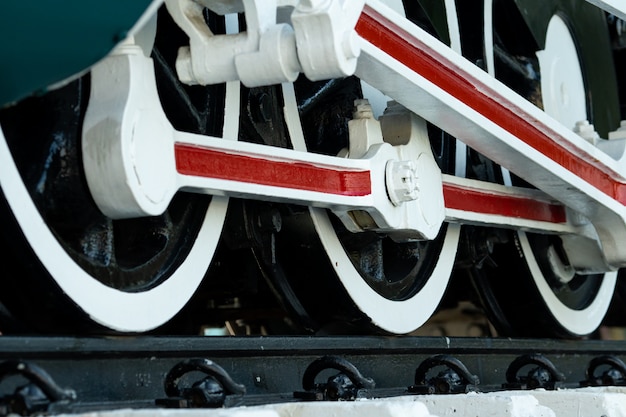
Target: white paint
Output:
[(262, 55), (488, 37), (580, 322), (460, 151), (453, 26), (562, 86), (118, 310), (377, 99), (327, 44), (564, 98), (320, 41), (393, 316), (444, 110)]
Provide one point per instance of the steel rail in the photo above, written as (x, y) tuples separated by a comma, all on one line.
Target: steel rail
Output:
[(117, 372)]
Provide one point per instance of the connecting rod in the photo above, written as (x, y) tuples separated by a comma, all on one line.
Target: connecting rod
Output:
[(135, 161)]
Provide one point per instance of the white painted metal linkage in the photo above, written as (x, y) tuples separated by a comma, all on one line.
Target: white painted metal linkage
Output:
[(135, 161), (430, 79), (318, 39)]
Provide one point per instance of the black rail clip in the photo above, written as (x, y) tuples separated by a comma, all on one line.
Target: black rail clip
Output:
[(216, 389), (40, 395), (614, 373), (543, 375), (348, 384), (453, 379)]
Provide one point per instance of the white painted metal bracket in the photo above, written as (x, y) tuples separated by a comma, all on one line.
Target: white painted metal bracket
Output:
[(318, 40)]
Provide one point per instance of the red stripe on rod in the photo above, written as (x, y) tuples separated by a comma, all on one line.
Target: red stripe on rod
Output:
[(425, 61), (520, 207), (213, 163)]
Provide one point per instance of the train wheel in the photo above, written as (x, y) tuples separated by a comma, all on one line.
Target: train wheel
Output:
[(73, 269), (556, 54), (336, 281)]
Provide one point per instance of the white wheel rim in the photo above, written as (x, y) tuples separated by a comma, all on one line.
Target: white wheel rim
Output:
[(393, 316), (563, 94), (578, 322), (115, 309)]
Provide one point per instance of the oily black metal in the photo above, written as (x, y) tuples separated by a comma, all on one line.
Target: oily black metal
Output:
[(543, 375), (348, 384), (211, 391), (614, 373), (39, 395), (114, 372), (455, 378)]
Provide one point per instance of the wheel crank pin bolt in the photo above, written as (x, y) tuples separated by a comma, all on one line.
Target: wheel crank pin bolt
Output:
[(587, 131), (402, 185)]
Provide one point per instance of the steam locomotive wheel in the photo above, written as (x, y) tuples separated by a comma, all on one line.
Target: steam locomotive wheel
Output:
[(534, 291), (73, 268), (393, 286), (336, 281)]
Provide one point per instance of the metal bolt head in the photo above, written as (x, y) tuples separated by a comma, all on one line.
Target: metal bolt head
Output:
[(587, 131), (362, 109), (402, 182)]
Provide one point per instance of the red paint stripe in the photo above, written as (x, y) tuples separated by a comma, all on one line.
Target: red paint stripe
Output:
[(485, 202), (213, 163), (425, 61)]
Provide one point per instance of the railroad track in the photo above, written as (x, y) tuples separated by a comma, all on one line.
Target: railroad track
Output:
[(74, 375)]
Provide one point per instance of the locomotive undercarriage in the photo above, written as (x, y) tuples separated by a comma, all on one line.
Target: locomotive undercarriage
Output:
[(360, 242)]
